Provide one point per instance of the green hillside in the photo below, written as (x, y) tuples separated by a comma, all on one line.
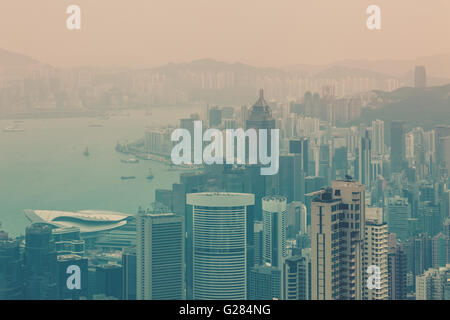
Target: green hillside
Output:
[(424, 107)]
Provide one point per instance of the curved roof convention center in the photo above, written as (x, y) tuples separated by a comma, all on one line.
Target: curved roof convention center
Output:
[(87, 220)]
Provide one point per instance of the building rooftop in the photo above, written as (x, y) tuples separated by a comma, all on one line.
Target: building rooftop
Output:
[(274, 198), (220, 199), (87, 220), (68, 257), (260, 109)]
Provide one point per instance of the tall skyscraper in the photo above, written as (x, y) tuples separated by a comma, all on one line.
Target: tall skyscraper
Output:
[(265, 283), (340, 163), (68, 241), (40, 263), (398, 212), (363, 161), (274, 231), (397, 145), (337, 241), (296, 278), (431, 284), (420, 77), (214, 117), (188, 124), (296, 219), (376, 254), (105, 281), (439, 250), (445, 204), (447, 234), (76, 287), (219, 244), (11, 269), (442, 146), (129, 273), (160, 256), (418, 250), (430, 218), (312, 184), (325, 162), (397, 265), (377, 137), (260, 117), (258, 241), (291, 179), (260, 114), (300, 146)]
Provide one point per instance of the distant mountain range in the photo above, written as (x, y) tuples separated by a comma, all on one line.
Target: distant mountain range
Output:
[(425, 107), (12, 59), (437, 66), (210, 65)]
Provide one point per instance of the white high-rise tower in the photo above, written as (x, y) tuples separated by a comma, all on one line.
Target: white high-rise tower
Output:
[(337, 241), (219, 244), (274, 230)]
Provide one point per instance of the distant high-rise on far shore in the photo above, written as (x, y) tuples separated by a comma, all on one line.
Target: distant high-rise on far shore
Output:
[(420, 77)]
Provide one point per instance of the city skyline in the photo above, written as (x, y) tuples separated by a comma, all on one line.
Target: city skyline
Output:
[(224, 150), (228, 232)]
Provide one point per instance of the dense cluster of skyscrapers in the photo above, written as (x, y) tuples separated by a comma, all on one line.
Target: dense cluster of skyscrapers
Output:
[(360, 212)]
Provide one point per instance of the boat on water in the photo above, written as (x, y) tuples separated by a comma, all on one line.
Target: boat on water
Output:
[(13, 128), (150, 174), (131, 160), (127, 177), (86, 152), (186, 167)]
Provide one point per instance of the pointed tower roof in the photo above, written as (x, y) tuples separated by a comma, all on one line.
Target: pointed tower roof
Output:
[(260, 109)]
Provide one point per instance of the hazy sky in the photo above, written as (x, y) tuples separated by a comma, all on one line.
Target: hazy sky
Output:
[(259, 32)]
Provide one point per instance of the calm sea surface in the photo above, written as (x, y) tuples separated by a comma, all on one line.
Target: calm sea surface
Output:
[(44, 166)]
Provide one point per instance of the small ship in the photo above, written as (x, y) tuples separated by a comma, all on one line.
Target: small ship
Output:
[(13, 128), (150, 175), (127, 177), (131, 160), (86, 152)]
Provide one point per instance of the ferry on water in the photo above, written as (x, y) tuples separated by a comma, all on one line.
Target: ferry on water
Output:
[(13, 128), (127, 177), (131, 160), (185, 167)]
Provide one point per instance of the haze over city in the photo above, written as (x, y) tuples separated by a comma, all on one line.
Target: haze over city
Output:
[(263, 33), (224, 150)]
